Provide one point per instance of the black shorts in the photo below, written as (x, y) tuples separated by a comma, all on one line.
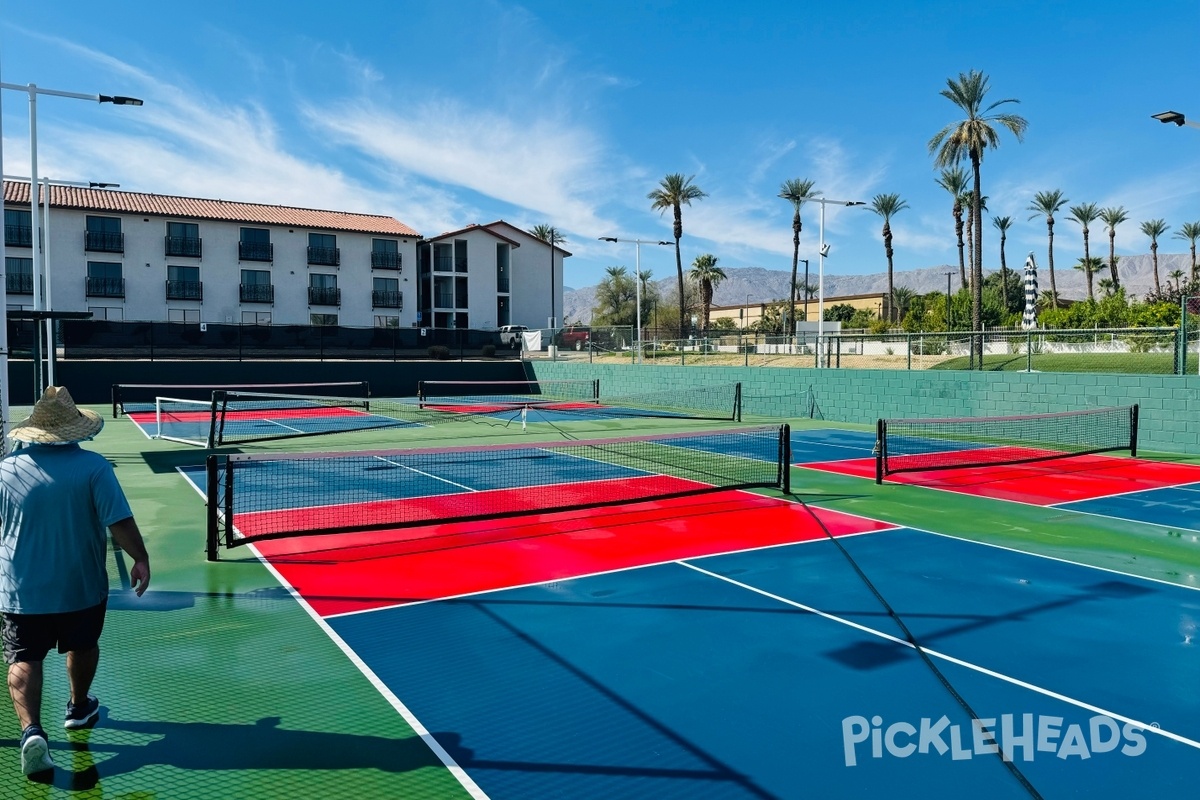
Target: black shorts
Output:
[(29, 637)]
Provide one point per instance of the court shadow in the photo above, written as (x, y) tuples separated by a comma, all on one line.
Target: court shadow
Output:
[(262, 745), (871, 655), (167, 461)]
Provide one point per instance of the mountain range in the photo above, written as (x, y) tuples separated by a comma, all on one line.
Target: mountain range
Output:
[(756, 285)]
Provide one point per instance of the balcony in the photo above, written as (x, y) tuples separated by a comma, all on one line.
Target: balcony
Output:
[(18, 236), (387, 299), (19, 283), (324, 296), (104, 242), (325, 256), (105, 287), (256, 292), (185, 290), (443, 300), (256, 251), (382, 260), (186, 246)]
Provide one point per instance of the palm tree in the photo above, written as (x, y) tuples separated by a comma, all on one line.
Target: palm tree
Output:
[(1085, 214), (1002, 224), (796, 191), (966, 201), (708, 275), (1046, 204), (1088, 265), (550, 235), (1190, 232), (886, 206), (954, 181), (1112, 217), (969, 139), (1106, 286), (904, 297), (675, 191), (1155, 228)]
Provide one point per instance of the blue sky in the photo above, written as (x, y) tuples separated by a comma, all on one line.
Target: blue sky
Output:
[(442, 114)]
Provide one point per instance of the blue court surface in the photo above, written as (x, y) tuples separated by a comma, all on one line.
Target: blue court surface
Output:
[(778, 673), (1171, 507)]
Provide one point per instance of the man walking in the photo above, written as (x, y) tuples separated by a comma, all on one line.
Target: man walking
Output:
[(57, 503)]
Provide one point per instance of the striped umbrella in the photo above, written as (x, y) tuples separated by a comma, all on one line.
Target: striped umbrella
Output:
[(1029, 319)]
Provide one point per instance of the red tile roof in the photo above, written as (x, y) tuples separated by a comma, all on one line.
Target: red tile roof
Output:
[(161, 205)]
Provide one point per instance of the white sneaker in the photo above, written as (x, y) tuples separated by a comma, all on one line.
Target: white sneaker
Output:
[(35, 752)]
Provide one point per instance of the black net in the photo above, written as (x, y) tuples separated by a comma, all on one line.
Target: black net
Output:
[(930, 444), (141, 397), (267, 496), (450, 393)]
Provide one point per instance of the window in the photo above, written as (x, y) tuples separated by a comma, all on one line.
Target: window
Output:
[(385, 293), (503, 265), (18, 275), (443, 292), (460, 293), (460, 255), (256, 317), (385, 254), (18, 228), (255, 245), (256, 287), (385, 321), (188, 315), (103, 235), (443, 258), (323, 291), (323, 250), (183, 239), (114, 313), (183, 283), (105, 279), (323, 319)]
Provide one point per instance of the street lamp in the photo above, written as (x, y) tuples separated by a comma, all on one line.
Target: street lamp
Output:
[(637, 281), (824, 251), (1176, 117), (33, 91)]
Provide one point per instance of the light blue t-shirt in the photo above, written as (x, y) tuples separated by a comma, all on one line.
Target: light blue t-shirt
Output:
[(56, 503)]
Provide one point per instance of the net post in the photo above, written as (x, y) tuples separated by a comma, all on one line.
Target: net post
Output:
[(214, 435), (212, 485), (116, 398), (228, 502), (420, 394), (880, 447), (737, 402), (1133, 430), (785, 457), (595, 386)]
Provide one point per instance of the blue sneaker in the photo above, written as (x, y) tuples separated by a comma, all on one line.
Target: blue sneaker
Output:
[(83, 715), (35, 751)]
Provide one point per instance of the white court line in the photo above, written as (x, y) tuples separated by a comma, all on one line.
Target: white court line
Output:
[(958, 661)]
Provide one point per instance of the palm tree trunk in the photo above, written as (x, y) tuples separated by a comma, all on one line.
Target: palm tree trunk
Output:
[(1112, 258), (971, 248), (795, 265), (1087, 266), (1154, 262), (958, 231), (1050, 260), (1003, 273), (678, 231), (887, 249), (977, 268)]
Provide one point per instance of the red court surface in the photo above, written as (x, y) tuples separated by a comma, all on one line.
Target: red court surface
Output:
[(342, 573), (150, 417), (1042, 483)]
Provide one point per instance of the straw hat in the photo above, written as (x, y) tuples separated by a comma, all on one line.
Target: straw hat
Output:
[(56, 419)]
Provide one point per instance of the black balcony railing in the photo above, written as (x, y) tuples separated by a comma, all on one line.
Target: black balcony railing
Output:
[(381, 298), (18, 236), (257, 293), (443, 264), (19, 283), (502, 283), (322, 296), (381, 260), (325, 256), (185, 290), (104, 242), (105, 287), (256, 251), (187, 246), (443, 300)]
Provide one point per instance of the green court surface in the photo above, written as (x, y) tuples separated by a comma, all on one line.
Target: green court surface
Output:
[(219, 684)]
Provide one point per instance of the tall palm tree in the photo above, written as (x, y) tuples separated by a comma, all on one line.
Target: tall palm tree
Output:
[(1112, 217), (550, 235), (1088, 265), (887, 206), (1047, 204), (674, 191), (1155, 228), (1190, 232), (969, 139), (966, 202), (708, 275), (796, 191), (1002, 224), (1085, 214), (954, 181)]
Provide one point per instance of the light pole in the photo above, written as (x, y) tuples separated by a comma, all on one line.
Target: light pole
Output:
[(824, 251), (637, 281), (33, 91), (1176, 117)]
